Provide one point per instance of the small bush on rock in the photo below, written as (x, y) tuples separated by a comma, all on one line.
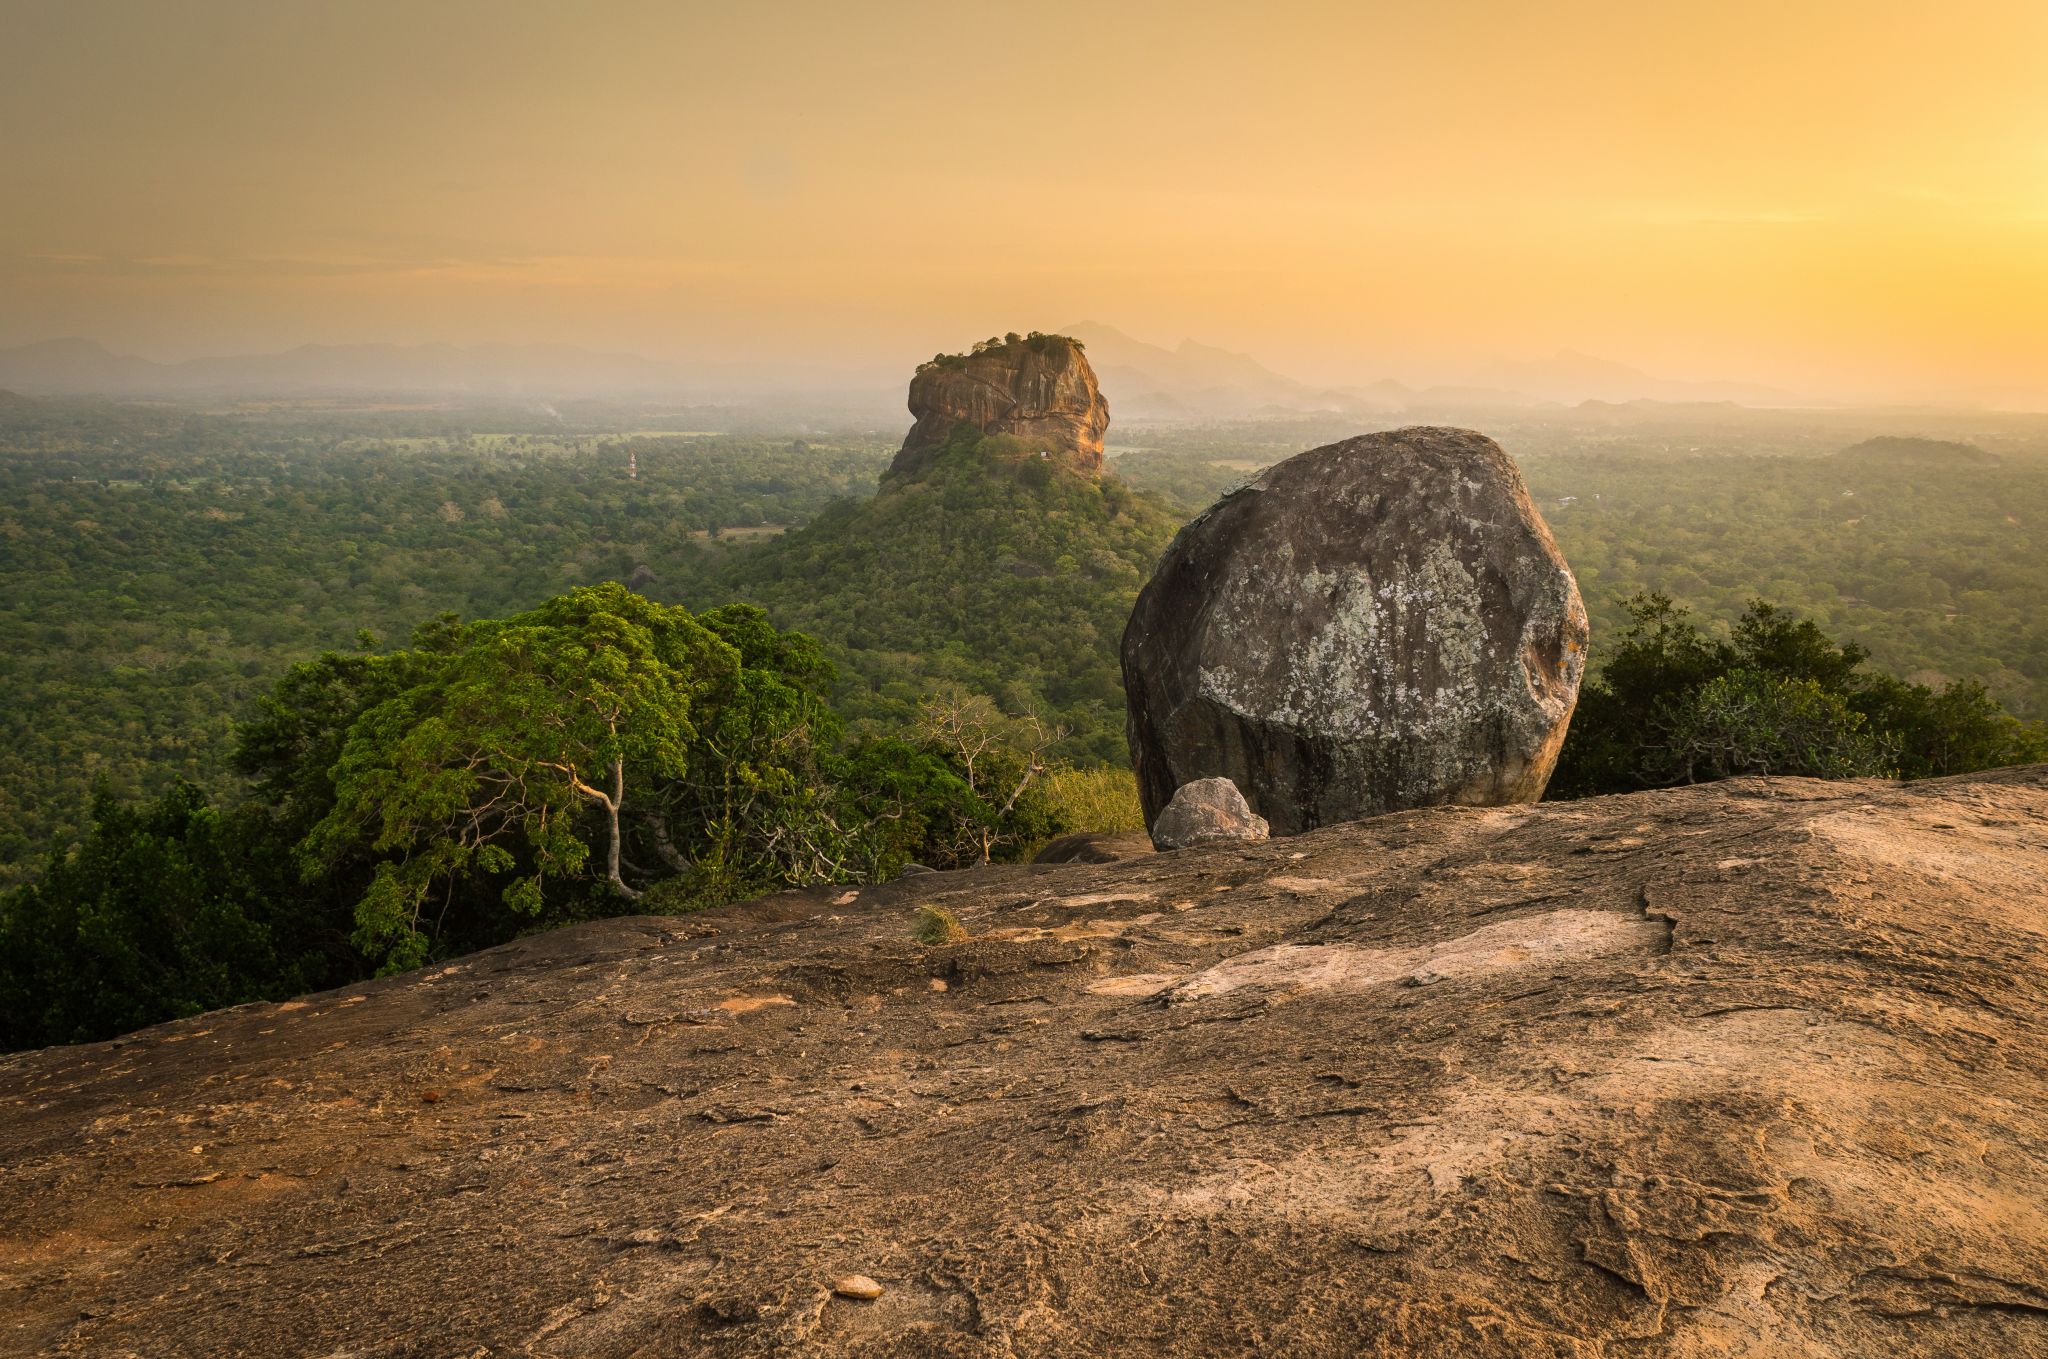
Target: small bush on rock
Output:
[(935, 925)]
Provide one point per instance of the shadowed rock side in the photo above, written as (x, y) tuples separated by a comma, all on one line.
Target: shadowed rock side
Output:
[(1377, 624), (1040, 389), (1094, 847), (1750, 1069)]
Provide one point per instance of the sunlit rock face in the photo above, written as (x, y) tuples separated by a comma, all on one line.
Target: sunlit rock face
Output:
[(1039, 389), (1377, 624)]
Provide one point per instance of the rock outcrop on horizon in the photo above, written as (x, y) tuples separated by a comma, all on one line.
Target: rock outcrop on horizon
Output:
[(1377, 624), (1750, 1069), (1039, 389)]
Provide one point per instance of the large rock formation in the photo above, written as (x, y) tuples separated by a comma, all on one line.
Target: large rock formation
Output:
[(1039, 389), (1378, 624), (1753, 1069)]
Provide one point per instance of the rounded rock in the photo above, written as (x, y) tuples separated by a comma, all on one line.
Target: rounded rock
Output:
[(857, 1286), (1377, 624)]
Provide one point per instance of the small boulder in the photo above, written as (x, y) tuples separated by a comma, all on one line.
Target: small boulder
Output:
[(1204, 811), (857, 1286)]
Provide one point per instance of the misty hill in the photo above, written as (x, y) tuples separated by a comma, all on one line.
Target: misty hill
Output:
[(1900, 451), (1196, 381), (1746, 1069), (1150, 382)]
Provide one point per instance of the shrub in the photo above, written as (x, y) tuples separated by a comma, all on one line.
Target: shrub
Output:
[(1672, 704), (935, 925), (1748, 722)]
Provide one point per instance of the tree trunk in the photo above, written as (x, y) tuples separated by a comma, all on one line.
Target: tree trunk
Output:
[(665, 847), (611, 811)]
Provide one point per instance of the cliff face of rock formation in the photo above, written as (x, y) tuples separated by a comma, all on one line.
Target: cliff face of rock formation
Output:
[(1758, 1068), (1377, 624), (1039, 389)]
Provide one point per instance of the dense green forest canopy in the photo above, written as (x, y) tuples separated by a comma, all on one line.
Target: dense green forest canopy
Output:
[(598, 754), (1896, 450), (154, 578), (219, 784), (161, 566)]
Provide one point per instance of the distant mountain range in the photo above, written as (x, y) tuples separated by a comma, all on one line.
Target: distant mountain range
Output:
[(1198, 381), (1144, 382), (1149, 382)]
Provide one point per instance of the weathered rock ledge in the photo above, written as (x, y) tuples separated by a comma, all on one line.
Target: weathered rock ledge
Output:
[(1756, 1069)]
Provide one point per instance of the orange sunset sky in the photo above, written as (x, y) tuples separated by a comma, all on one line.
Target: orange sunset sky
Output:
[(1849, 199)]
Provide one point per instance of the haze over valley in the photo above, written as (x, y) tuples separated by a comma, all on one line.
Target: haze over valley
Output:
[(1188, 381)]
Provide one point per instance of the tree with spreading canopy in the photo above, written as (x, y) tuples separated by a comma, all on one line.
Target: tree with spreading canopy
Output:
[(489, 760)]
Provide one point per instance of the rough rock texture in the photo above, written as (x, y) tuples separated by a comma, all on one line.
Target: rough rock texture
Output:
[(1042, 390), (1205, 810), (1094, 847), (1377, 624), (1754, 1069)]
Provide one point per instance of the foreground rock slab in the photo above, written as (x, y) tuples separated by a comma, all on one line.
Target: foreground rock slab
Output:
[(1377, 624), (1752, 1069)]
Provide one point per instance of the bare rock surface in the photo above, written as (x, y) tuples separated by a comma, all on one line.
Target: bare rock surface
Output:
[(1041, 390), (1094, 847), (1205, 810), (1753, 1069), (1377, 624)]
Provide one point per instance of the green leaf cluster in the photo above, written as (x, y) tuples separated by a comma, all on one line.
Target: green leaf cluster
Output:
[(504, 738)]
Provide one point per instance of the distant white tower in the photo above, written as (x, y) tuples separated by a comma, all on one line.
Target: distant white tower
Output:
[(632, 466)]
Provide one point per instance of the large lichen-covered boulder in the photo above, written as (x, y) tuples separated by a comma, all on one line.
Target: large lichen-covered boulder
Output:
[(1039, 389), (1378, 624)]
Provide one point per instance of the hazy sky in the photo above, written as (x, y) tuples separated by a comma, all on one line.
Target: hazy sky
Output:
[(1837, 196)]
